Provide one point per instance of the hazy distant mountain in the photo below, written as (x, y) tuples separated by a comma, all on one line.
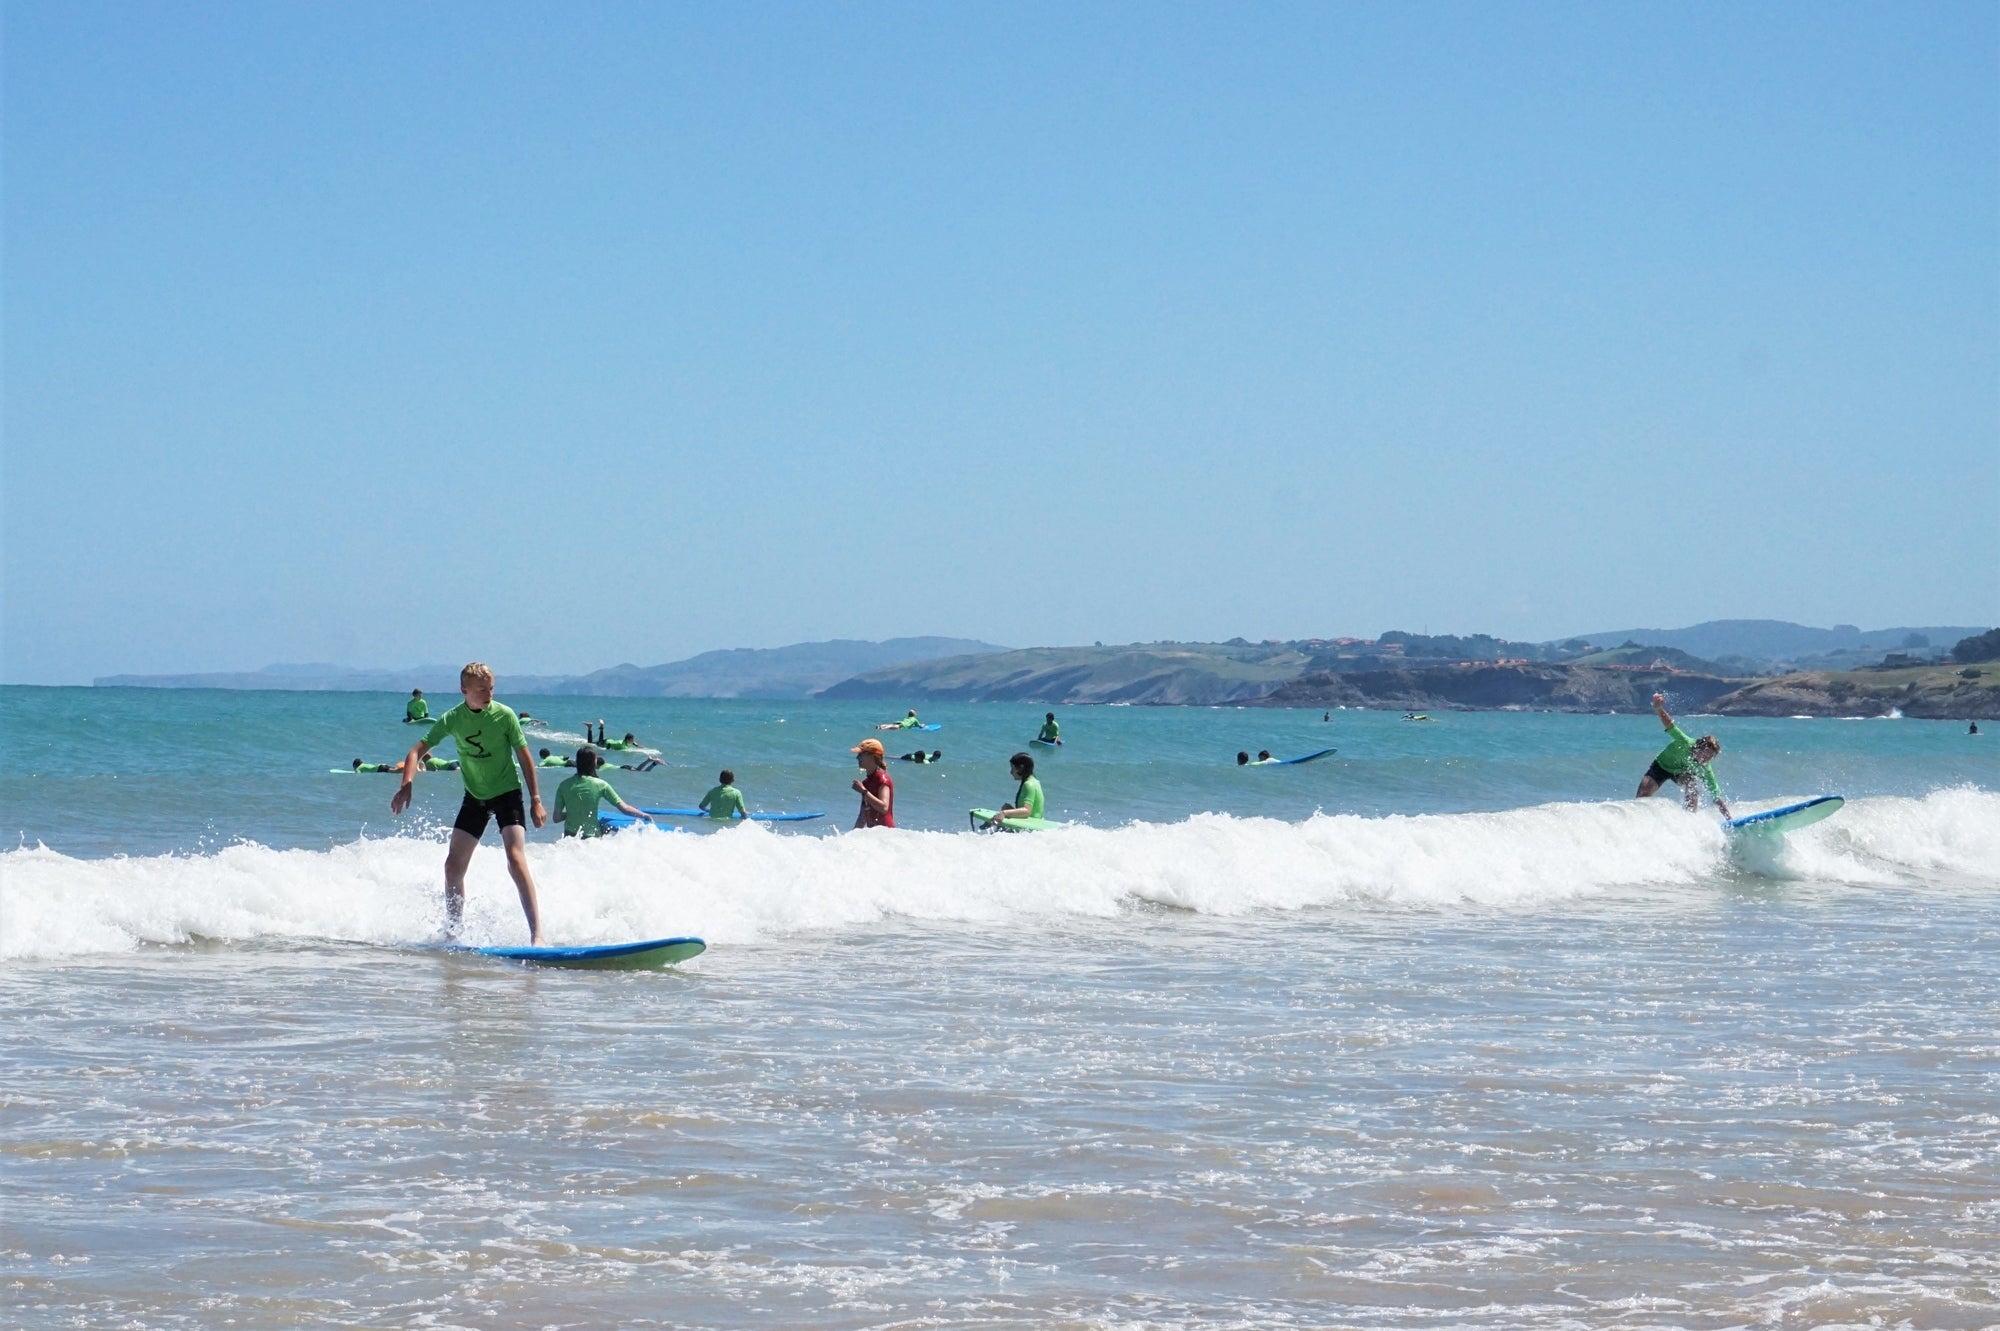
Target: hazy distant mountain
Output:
[(310, 678), (771, 672), (796, 671), (1773, 642)]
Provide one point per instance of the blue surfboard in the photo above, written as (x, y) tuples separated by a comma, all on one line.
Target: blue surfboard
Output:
[(606, 957), (1287, 762), (1790, 818)]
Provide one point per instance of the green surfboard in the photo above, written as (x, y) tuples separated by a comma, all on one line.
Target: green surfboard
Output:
[(979, 817)]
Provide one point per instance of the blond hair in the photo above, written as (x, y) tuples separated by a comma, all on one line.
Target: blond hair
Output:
[(478, 672)]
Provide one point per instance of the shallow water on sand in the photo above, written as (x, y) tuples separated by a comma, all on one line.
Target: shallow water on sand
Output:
[(1497, 1064)]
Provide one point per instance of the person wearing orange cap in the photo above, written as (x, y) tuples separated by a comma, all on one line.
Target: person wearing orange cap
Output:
[(877, 791)]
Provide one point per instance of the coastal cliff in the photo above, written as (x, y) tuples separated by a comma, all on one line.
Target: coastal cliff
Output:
[(1530, 687), (1948, 692)]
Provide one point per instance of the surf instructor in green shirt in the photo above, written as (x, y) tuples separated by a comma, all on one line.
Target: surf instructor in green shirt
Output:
[(494, 761), (1682, 761)]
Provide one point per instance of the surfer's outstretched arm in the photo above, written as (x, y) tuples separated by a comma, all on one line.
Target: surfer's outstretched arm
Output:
[(413, 763), (1660, 710)]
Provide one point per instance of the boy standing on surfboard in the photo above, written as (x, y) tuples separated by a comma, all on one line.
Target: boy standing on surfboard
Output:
[(1681, 761), (490, 749)]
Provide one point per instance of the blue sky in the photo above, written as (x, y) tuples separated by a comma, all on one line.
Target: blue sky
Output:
[(566, 335)]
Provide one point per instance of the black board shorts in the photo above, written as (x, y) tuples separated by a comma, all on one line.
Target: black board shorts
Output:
[(1660, 776), (507, 810)]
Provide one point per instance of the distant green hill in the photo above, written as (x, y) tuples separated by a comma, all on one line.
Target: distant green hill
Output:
[(1163, 672)]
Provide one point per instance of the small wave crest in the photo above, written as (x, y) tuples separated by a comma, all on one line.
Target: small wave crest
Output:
[(748, 883)]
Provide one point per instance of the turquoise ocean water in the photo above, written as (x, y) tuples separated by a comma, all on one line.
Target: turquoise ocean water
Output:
[(1438, 1031)]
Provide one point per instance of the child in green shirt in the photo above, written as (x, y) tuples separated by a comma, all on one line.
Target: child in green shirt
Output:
[(578, 796), (725, 801), (1027, 802)]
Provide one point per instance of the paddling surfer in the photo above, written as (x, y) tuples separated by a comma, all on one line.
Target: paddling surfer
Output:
[(1681, 762), (493, 762)]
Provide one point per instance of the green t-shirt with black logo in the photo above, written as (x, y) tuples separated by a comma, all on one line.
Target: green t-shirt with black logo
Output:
[(486, 741)]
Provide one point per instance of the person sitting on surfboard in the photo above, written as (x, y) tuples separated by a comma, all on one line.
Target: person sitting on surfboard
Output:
[(490, 748), (1027, 796), (1051, 732), (725, 801), (920, 756), (877, 791), (416, 709), (578, 796), (1681, 762)]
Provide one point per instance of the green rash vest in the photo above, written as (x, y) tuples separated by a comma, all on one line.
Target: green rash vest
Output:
[(417, 710), (1051, 732), (486, 742), (1029, 797), (576, 804), (1678, 756), (724, 802)]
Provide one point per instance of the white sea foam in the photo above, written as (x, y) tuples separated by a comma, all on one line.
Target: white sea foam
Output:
[(749, 883)]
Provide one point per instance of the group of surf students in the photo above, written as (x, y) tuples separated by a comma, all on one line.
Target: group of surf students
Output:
[(501, 784)]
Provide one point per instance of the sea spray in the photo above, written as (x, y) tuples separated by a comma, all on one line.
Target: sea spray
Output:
[(749, 883)]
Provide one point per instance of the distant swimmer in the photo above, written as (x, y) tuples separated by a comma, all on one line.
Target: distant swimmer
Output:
[(725, 800), (1051, 732), (416, 709), (1681, 762), (1418, 716), (909, 722), (1027, 802), (935, 755), (490, 749), (1972, 729), (877, 791), (578, 796), (1327, 716)]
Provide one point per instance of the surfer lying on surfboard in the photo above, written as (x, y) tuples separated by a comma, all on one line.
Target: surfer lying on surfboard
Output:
[(909, 722), (920, 756), (430, 765), (1263, 756), (1681, 762)]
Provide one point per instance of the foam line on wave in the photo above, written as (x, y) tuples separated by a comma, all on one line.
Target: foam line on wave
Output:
[(757, 885)]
